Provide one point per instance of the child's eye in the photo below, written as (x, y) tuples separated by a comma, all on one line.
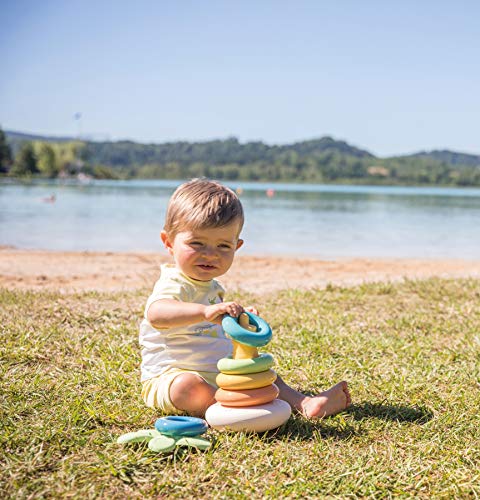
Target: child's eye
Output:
[(195, 244), (225, 246)]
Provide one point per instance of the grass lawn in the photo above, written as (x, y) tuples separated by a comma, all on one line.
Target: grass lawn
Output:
[(69, 374)]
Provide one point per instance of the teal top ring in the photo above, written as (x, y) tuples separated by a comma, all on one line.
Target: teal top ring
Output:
[(261, 337), (181, 426)]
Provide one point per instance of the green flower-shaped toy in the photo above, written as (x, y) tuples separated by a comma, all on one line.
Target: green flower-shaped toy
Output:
[(169, 433)]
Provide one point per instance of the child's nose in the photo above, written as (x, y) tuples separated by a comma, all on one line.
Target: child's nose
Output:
[(209, 252)]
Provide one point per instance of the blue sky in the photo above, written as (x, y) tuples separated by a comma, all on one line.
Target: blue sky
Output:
[(391, 77)]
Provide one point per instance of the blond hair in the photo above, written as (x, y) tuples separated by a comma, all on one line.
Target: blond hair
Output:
[(202, 204)]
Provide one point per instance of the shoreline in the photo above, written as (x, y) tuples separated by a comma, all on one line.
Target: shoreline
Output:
[(121, 271)]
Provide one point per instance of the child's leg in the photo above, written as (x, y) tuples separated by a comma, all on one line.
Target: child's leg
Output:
[(191, 393), (334, 400)]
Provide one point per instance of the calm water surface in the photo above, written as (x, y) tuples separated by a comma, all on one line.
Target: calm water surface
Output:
[(304, 220)]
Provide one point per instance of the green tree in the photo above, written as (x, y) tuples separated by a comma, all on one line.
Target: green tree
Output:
[(25, 162), (71, 156), (5, 153), (103, 172), (47, 161)]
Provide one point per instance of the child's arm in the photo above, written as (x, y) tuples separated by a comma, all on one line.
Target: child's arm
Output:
[(169, 313)]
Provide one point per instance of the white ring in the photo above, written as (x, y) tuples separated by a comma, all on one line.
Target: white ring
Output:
[(257, 418)]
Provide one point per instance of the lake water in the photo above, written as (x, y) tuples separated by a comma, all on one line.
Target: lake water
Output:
[(324, 221)]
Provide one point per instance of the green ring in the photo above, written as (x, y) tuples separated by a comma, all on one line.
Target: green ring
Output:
[(231, 366)]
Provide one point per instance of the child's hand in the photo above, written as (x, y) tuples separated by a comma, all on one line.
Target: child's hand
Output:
[(216, 312), (252, 310)]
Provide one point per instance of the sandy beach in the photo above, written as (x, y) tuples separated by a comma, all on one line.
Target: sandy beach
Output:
[(107, 271)]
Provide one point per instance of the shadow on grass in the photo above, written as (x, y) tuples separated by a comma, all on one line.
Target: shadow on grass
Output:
[(398, 413), (339, 428), (300, 429)]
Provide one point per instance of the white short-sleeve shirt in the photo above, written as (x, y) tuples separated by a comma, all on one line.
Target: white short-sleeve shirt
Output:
[(195, 347)]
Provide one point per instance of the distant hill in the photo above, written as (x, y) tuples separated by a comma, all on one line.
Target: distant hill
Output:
[(449, 157), (324, 145), (230, 150), (317, 160)]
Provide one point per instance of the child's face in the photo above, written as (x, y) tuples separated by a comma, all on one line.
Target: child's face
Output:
[(204, 254)]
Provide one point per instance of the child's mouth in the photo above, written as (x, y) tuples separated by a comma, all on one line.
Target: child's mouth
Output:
[(206, 267)]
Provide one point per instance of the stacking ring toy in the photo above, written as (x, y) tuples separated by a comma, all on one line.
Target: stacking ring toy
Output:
[(242, 366), (249, 397), (257, 418), (181, 426), (261, 337), (162, 444), (247, 381)]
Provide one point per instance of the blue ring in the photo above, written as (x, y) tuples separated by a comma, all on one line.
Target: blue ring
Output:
[(261, 337), (181, 426)]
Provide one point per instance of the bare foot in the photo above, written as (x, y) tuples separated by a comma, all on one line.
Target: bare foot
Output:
[(327, 403)]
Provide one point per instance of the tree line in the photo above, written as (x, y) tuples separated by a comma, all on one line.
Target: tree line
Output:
[(49, 160), (322, 160)]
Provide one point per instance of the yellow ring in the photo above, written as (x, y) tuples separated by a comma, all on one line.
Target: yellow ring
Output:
[(247, 381)]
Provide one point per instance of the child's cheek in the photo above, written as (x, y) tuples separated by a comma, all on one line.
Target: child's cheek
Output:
[(187, 254)]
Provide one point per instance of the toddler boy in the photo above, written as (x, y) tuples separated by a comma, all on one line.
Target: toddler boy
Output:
[(181, 334)]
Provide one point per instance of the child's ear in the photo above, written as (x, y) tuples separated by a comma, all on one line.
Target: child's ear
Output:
[(239, 244), (166, 241)]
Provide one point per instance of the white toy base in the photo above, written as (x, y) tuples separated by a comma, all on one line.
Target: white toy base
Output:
[(257, 418)]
